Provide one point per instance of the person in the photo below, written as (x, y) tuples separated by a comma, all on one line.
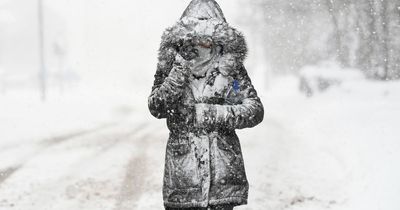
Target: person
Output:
[(203, 90)]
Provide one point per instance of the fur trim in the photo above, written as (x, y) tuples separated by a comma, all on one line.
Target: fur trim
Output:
[(231, 40)]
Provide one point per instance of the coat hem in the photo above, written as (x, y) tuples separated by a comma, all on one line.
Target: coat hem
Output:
[(236, 201), (186, 204)]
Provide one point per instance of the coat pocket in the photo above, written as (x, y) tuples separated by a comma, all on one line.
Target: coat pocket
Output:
[(179, 149), (230, 145), (229, 162), (181, 165), (178, 145)]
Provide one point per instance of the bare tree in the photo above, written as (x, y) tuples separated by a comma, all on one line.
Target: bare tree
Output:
[(333, 13), (361, 34), (380, 38), (364, 28), (373, 37), (393, 39), (385, 38)]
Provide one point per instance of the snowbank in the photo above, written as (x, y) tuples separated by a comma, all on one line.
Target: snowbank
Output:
[(335, 150), (316, 79)]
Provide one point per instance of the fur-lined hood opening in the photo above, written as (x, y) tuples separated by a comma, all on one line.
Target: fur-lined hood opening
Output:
[(205, 19)]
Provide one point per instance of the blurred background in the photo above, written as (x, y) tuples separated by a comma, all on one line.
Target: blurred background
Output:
[(75, 132)]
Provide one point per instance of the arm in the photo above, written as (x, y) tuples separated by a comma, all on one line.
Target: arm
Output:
[(170, 79), (169, 82), (248, 113)]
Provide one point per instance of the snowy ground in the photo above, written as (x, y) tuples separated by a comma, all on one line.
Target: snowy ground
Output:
[(336, 150)]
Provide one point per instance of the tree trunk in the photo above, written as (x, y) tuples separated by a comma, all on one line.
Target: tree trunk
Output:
[(385, 39), (336, 30)]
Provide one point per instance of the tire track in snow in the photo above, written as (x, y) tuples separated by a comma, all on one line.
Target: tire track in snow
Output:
[(64, 137), (133, 184), (5, 173), (45, 144), (137, 174), (134, 166), (87, 186), (81, 133), (101, 146)]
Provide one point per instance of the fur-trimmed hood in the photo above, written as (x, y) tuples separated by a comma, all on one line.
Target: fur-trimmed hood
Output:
[(204, 19), (203, 163)]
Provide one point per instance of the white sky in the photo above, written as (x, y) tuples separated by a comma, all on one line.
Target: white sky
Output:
[(107, 40)]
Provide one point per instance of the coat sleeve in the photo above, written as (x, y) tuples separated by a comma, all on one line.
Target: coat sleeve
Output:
[(168, 83), (247, 113)]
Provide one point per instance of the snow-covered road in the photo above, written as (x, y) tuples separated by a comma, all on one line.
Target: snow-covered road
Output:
[(110, 167), (337, 150), (120, 166)]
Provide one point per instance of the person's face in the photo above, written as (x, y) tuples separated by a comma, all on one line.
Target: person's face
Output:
[(204, 49), (203, 53)]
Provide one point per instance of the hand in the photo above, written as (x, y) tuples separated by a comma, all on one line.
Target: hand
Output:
[(187, 50), (183, 114), (187, 114), (182, 65)]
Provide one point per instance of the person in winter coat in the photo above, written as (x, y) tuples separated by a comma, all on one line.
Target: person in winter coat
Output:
[(202, 89)]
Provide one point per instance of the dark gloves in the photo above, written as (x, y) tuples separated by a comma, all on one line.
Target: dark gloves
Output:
[(183, 112), (187, 114), (187, 49), (180, 109), (179, 74)]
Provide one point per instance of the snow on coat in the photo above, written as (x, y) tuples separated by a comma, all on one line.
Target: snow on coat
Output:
[(204, 164)]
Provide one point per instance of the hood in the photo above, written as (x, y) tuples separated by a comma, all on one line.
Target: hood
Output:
[(204, 18), (204, 10)]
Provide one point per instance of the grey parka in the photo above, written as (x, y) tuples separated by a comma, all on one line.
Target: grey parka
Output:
[(204, 164)]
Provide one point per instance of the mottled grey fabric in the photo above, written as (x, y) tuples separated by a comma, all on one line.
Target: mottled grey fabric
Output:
[(223, 207), (204, 164)]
